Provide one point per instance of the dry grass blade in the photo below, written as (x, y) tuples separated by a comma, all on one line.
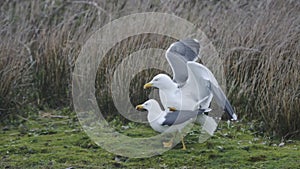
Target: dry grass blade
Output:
[(258, 41)]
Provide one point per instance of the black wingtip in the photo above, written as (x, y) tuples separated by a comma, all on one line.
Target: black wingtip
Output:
[(229, 110)]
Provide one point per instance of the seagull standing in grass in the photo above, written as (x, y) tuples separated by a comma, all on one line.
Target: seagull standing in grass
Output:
[(168, 121), (193, 85)]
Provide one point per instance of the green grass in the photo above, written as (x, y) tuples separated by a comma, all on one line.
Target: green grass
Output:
[(50, 142)]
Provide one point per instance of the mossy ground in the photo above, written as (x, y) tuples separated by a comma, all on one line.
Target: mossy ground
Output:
[(56, 140)]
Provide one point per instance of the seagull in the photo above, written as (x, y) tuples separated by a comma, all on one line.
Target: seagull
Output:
[(169, 121), (191, 83)]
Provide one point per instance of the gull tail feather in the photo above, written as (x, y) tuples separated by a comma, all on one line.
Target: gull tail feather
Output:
[(208, 124)]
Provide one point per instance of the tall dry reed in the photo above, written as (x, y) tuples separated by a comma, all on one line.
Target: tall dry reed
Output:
[(258, 42)]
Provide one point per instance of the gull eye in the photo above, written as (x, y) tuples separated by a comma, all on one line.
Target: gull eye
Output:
[(155, 79)]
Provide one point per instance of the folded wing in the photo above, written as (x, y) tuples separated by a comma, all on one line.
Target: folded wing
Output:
[(179, 117)]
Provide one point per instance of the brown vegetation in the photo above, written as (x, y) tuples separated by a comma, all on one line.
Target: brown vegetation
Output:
[(258, 41)]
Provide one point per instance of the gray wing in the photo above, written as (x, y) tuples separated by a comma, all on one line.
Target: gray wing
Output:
[(178, 54), (180, 116), (202, 75), (222, 101)]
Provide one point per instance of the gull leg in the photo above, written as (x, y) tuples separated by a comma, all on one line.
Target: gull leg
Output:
[(183, 145), (169, 143)]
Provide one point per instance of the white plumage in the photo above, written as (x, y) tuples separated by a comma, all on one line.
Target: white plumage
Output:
[(193, 85), (171, 121)]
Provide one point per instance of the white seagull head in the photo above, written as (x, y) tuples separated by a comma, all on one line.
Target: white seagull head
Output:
[(148, 105), (161, 81)]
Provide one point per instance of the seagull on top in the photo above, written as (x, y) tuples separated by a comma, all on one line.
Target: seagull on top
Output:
[(171, 121), (191, 83)]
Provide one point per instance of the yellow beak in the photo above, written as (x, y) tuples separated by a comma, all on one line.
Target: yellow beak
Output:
[(139, 107), (148, 85)]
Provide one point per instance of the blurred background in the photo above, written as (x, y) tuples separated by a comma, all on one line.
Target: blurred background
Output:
[(258, 41)]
